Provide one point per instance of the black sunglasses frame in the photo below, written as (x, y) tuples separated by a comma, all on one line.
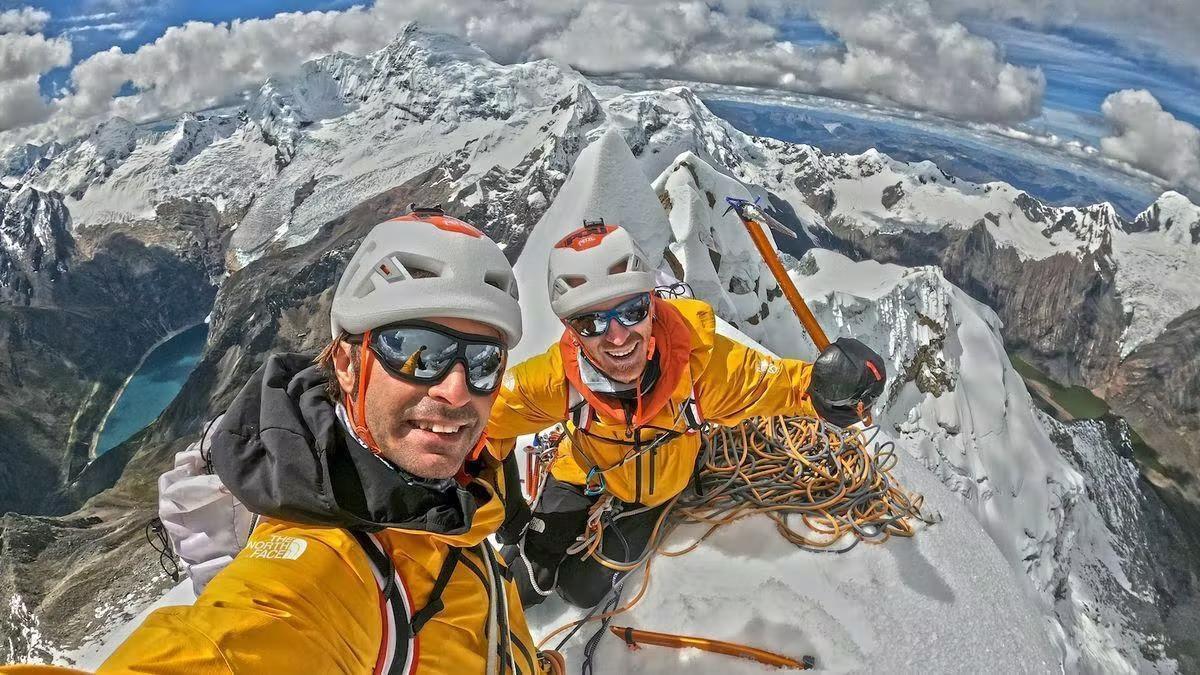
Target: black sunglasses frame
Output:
[(463, 340)]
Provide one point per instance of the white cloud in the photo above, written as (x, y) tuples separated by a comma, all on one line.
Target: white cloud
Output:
[(896, 52), (23, 59), (21, 103), (1151, 138), (24, 55), (101, 27), (904, 53), (23, 20)]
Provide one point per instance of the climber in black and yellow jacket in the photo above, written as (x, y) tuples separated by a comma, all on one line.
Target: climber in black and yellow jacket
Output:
[(376, 487), (634, 378)]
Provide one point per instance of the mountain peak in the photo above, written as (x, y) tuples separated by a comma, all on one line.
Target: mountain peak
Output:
[(605, 182), (1173, 215)]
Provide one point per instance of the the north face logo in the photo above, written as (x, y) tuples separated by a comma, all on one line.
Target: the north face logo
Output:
[(768, 366), (277, 548)]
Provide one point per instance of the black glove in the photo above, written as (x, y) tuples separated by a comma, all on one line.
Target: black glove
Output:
[(846, 379)]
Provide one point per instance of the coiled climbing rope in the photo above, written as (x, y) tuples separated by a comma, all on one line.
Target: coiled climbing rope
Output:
[(826, 488), (802, 468)]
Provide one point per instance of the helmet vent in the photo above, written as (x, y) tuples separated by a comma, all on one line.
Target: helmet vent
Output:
[(627, 264), (413, 266), (500, 281)]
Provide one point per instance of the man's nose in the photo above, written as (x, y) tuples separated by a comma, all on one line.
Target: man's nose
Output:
[(453, 388), (617, 333)]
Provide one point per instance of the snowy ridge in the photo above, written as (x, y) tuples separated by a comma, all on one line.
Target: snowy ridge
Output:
[(304, 149), (957, 406), (711, 251)]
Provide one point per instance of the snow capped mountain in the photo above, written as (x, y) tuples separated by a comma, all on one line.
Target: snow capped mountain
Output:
[(1047, 528), (1158, 270), (35, 241)]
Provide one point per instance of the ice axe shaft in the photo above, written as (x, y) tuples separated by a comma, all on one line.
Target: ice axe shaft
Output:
[(635, 637), (751, 215)]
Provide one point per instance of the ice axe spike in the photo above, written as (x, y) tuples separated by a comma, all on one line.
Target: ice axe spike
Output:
[(750, 215)]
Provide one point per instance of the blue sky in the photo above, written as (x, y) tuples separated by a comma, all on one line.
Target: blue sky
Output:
[(97, 25)]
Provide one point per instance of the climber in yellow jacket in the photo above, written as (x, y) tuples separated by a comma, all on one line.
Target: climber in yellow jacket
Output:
[(633, 378), (376, 489)]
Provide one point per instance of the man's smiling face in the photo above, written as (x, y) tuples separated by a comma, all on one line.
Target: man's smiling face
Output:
[(621, 352), (427, 430)]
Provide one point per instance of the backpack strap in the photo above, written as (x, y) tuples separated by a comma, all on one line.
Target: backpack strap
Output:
[(579, 409), (398, 648), (693, 416)]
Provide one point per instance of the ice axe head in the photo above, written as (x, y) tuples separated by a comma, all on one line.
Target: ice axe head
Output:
[(749, 211)]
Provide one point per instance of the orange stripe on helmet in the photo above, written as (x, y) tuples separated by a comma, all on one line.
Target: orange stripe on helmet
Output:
[(588, 236), (441, 222)]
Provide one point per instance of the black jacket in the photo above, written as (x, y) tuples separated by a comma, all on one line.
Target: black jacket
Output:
[(281, 450)]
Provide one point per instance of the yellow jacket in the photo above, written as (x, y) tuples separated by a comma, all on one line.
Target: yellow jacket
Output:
[(312, 592), (302, 599), (730, 383)]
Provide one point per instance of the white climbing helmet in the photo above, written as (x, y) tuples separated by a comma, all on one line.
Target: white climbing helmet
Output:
[(422, 265), (594, 264)]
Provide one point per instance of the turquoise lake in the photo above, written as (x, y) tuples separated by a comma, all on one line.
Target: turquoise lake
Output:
[(153, 386)]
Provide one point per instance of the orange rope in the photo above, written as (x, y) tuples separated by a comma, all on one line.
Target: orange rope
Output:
[(780, 467)]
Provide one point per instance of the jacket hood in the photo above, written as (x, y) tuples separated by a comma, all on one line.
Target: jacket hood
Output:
[(281, 450)]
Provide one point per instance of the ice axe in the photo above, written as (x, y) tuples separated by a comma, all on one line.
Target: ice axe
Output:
[(752, 216)]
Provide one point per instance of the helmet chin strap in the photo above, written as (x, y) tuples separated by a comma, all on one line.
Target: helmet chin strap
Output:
[(357, 405), (650, 344)]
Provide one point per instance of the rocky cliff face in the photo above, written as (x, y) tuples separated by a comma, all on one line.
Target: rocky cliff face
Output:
[(1158, 389), (35, 243)]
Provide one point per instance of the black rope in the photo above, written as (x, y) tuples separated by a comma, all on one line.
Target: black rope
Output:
[(614, 599), (679, 289), (156, 536), (206, 454)]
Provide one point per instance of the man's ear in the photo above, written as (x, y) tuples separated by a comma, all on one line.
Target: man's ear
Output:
[(343, 367)]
